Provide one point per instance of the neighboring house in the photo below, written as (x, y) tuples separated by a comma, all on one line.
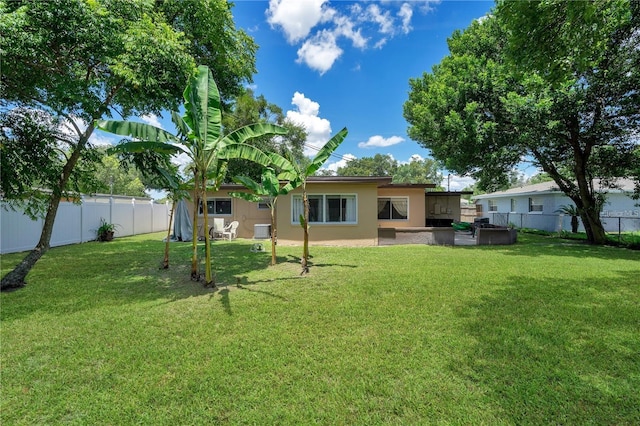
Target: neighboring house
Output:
[(343, 210), (536, 206)]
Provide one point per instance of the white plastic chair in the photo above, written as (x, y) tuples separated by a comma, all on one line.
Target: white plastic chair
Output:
[(230, 231), (217, 229)]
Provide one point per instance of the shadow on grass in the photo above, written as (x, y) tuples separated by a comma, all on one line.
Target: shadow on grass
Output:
[(558, 352), (127, 270), (531, 245)]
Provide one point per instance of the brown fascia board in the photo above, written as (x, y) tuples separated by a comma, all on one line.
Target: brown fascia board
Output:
[(381, 181), (409, 185), (443, 193)]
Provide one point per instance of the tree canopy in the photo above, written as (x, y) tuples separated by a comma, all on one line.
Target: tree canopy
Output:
[(81, 60), (415, 171), (553, 82)]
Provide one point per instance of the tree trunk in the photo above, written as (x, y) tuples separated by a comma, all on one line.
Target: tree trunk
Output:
[(273, 236), (165, 261), (305, 229), (16, 278), (195, 276), (208, 278), (574, 224), (593, 226)]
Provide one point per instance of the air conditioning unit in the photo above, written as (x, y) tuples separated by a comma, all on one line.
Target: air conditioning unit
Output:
[(261, 231)]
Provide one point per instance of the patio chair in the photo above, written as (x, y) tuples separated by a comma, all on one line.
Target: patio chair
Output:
[(230, 231), (217, 229)]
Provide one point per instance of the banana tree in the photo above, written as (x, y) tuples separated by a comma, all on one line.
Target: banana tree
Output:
[(200, 137), (299, 175), (267, 190)]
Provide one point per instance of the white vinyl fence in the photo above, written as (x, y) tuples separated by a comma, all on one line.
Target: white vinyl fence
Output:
[(77, 223)]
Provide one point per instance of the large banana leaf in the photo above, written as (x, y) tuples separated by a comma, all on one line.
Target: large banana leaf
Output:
[(145, 146), (323, 155), (181, 125), (248, 196), (243, 151), (133, 129), (251, 185), (203, 107)]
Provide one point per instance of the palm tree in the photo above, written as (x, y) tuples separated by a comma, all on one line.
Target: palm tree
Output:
[(267, 190), (202, 139), (300, 174), (572, 211)]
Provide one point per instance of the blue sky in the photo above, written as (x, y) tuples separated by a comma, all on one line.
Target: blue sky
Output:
[(335, 64)]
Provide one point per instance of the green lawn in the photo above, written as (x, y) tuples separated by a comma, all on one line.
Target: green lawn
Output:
[(545, 331)]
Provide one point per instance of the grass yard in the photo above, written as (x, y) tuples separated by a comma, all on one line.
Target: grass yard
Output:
[(545, 331)]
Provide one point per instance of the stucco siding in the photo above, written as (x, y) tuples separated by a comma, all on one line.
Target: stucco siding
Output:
[(415, 210), (362, 233)]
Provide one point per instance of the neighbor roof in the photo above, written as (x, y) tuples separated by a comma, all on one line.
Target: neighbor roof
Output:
[(623, 185)]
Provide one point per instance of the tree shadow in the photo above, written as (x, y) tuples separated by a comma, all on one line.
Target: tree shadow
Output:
[(563, 351), (529, 245)]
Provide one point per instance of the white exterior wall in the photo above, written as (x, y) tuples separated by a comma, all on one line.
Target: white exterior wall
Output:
[(617, 205)]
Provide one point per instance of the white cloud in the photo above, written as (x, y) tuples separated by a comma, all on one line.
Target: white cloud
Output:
[(345, 28), (383, 19), (297, 18), (151, 119), (457, 183), (320, 29), (103, 139), (379, 141), (405, 13), (340, 163), (306, 114), (320, 52)]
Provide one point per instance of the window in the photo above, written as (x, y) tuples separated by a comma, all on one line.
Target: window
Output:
[(221, 206), (264, 204), (493, 206), (514, 204), (535, 204), (393, 208), (326, 208)]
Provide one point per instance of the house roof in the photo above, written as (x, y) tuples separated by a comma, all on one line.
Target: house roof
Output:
[(623, 185), (380, 181)]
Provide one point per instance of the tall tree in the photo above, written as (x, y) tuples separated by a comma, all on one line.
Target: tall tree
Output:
[(523, 83), (248, 109), (418, 171), (201, 139), (80, 60), (119, 178), (378, 165)]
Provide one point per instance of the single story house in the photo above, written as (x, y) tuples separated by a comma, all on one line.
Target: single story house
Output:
[(536, 206), (343, 210)]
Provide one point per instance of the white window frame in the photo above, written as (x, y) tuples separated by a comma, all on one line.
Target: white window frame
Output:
[(492, 205), (536, 205), (212, 212), (391, 200), (297, 208), (514, 205)]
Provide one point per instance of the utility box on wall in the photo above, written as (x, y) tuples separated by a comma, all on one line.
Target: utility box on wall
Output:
[(261, 231)]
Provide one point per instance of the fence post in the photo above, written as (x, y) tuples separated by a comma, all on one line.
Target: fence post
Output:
[(151, 203), (82, 218), (111, 209), (133, 216)]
